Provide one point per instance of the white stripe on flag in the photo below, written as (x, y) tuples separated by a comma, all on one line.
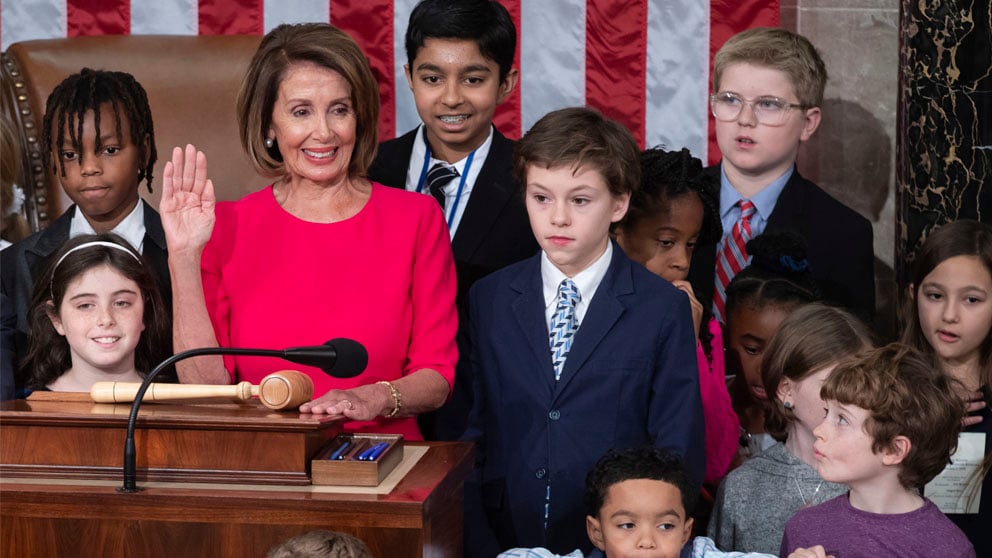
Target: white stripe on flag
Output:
[(165, 17), (552, 57), (294, 11), (406, 110), (26, 20), (676, 110)]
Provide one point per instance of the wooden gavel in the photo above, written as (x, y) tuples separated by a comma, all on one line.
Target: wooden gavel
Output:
[(286, 389)]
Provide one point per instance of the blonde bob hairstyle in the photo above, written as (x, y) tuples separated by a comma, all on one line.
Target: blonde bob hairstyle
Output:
[(306, 43)]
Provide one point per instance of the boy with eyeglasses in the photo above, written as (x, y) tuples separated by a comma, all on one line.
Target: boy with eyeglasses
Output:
[(768, 87)]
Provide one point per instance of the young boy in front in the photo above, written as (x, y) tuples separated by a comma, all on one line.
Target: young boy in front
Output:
[(459, 68), (768, 88), (639, 503), (576, 350), (891, 425)]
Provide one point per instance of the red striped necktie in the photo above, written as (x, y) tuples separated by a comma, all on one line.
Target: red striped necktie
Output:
[(731, 257)]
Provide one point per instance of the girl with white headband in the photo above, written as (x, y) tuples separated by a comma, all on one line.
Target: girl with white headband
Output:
[(96, 314)]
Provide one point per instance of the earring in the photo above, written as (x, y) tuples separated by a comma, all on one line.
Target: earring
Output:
[(787, 405), (269, 142)]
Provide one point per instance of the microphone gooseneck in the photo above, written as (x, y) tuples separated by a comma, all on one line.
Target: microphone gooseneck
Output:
[(339, 358)]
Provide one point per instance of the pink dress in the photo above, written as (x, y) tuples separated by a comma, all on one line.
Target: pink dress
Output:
[(723, 427), (384, 278)]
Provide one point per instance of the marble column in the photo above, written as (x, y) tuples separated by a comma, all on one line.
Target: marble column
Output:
[(944, 139)]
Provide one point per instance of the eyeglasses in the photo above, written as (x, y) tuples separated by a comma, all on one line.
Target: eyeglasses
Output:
[(770, 111)]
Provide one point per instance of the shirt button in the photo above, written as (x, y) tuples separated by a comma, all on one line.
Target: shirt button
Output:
[(554, 415), (541, 472)]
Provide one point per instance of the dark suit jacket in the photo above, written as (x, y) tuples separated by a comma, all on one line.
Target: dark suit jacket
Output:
[(21, 264), (839, 246), (494, 232), (630, 379)]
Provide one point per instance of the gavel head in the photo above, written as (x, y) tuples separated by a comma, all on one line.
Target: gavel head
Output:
[(286, 389)]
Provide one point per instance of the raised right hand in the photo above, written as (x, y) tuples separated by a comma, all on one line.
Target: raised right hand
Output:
[(187, 205)]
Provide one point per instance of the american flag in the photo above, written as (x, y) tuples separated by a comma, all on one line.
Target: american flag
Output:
[(644, 62)]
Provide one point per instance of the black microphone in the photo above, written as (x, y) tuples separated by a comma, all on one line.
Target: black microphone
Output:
[(339, 358)]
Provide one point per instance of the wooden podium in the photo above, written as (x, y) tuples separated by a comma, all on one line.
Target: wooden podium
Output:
[(218, 480)]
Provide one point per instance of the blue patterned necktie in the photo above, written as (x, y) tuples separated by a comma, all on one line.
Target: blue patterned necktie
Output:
[(563, 324), (437, 178)]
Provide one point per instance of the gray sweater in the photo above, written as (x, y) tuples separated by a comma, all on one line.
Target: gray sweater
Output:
[(756, 500)]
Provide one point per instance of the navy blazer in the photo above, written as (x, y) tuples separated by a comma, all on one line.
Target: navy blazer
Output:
[(630, 379), (839, 246), (21, 263), (494, 232)]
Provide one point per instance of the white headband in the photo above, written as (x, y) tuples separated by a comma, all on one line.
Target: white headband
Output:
[(96, 243), (51, 284)]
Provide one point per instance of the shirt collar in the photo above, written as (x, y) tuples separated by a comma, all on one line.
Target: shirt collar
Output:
[(420, 149), (587, 280), (764, 201), (131, 228)]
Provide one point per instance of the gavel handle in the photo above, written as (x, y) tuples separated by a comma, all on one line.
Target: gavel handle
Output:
[(124, 392)]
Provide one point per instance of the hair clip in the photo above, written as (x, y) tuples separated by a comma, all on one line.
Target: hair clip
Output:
[(796, 266)]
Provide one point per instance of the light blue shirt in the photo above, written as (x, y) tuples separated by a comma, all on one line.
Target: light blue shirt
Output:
[(764, 203)]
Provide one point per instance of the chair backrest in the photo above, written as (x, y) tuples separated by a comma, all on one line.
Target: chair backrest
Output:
[(192, 84)]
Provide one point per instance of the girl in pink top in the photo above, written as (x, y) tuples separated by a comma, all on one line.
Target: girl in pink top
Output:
[(674, 210)]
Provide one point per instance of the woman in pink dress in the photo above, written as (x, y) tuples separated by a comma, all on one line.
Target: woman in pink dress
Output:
[(319, 254)]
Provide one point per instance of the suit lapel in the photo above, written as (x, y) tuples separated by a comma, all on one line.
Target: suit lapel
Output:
[(156, 251), (391, 165), (51, 240), (528, 310), (493, 189), (602, 315), (153, 227), (789, 209)]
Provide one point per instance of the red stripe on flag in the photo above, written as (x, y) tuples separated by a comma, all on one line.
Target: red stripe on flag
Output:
[(727, 18), (231, 17), (507, 116), (98, 17), (616, 61), (370, 23)]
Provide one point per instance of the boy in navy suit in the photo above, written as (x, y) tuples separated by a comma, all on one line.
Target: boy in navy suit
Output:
[(768, 87), (459, 68), (576, 350)]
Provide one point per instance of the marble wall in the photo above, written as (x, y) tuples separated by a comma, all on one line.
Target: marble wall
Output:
[(852, 155), (945, 159)]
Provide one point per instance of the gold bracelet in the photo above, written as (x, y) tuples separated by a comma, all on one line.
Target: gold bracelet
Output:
[(397, 399)]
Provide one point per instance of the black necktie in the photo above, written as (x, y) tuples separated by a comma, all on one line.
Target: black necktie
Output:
[(437, 178)]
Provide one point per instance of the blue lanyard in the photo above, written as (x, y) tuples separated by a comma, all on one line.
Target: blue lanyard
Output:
[(461, 182)]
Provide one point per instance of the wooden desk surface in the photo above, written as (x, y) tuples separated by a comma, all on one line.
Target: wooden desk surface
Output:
[(52, 515), (422, 516)]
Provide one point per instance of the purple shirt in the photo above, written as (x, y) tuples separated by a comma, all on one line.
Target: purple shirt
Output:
[(847, 532)]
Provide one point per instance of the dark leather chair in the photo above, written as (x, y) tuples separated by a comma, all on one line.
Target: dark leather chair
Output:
[(192, 83)]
